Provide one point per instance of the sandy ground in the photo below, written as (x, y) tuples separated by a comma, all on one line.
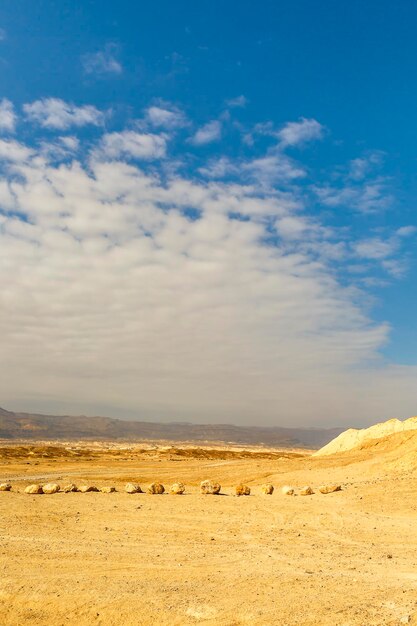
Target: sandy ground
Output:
[(344, 558)]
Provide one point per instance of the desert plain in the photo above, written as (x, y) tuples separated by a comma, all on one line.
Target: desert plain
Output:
[(345, 558)]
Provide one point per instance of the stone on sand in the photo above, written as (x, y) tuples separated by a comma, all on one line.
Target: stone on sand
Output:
[(50, 488), (156, 488), (329, 488), (133, 488), (209, 487), (177, 488), (34, 489), (69, 488)]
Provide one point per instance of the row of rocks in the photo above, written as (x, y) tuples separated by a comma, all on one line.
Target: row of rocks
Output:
[(207, 487), (155, 488)]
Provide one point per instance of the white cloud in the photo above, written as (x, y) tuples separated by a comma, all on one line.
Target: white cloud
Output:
[(296, 133), (14, 151), (358, 187), (212, 131), (163, 117), (102, 62), (385, 252), (239, 102), (360, 167), (70, 142), (370, 196), (406, 231), (55, 113), (266, 171), (3, 34), (291, 134), (60, 149), (394, 267), (273, 168), (131, 144), (219, 168), (7, 116), (375, 248), (291, 227)]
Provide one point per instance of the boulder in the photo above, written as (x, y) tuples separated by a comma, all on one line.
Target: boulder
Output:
[(50, 488), (242, 490), (267, 489), (108, 489), (155, 488), (69, 488), (86, 488), (177, 488), (329, 488), (133, 488), (209, 487), (5, 487), (306, 491), (288, 491), (34, 489)]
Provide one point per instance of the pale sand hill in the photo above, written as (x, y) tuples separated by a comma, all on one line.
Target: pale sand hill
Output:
[(344, 559), (353, 438)]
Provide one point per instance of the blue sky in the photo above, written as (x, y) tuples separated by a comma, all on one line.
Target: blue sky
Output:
[(208, 210)]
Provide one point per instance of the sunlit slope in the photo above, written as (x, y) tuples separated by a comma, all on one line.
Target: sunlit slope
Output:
[(355, 438)]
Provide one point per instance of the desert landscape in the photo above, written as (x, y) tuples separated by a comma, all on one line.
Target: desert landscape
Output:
[(346, 558), (208, 346)]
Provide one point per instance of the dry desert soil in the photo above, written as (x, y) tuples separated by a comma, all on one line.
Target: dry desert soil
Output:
[(345, 558)]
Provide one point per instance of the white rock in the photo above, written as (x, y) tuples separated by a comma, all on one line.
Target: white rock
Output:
[(288, 491), (33, 489), (209, 487), (329, 488), (133, 488), (177, 488), (69, 488), (86, 488), (5, 487), (50, 488)]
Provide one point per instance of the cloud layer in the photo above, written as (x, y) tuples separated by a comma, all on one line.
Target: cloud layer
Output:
[(131, 283)]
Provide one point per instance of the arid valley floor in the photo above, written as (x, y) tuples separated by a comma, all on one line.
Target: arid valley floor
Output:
[(343, 558)]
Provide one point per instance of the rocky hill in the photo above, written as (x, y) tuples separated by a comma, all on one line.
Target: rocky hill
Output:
[(356, 438), (51, 427)]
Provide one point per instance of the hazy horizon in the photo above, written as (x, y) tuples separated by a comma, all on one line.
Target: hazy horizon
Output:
[(113, 413)]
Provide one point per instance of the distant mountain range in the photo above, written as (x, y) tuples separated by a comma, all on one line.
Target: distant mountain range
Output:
[(68, 427)]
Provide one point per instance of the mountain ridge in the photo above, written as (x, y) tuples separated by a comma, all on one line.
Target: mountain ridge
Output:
[(20, 425)]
